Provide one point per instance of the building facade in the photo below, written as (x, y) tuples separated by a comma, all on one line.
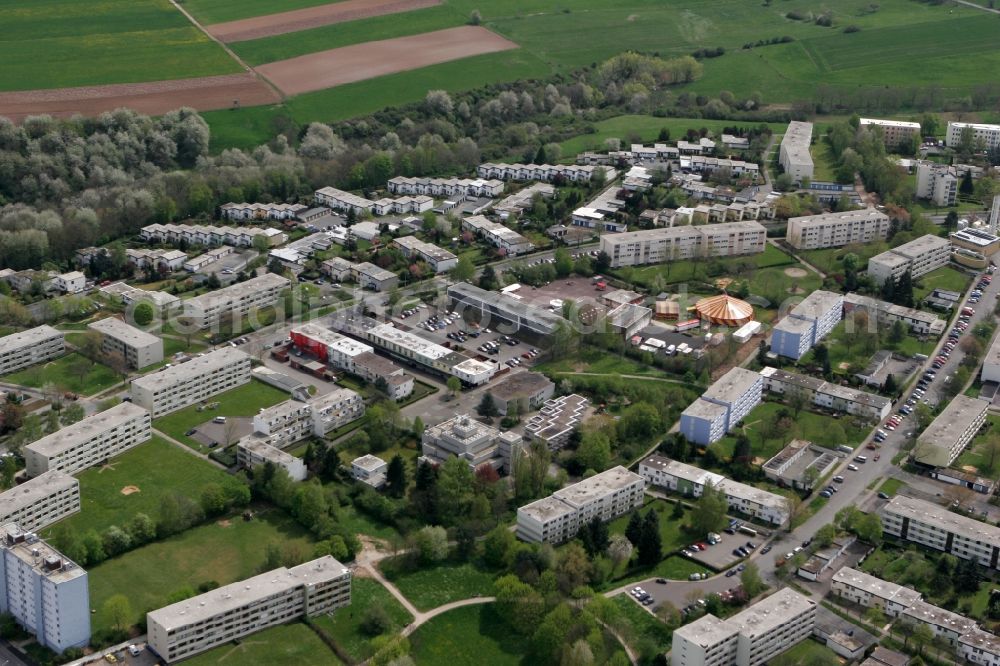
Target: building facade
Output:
[(655, 246), (827, 395), (40, 501), (933, 526), (895, 133), (236, 301), (794, 156), (807, 323), (438, 259), (813, 232), (139, 348), (988, 135), (919, 256), (951, 431), (724, 404), (27, 348), (182, 385)]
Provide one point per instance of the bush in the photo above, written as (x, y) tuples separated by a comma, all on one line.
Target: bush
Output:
[(376, 621), (852, 28)]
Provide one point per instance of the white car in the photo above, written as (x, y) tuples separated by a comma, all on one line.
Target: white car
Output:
[(852, 467)]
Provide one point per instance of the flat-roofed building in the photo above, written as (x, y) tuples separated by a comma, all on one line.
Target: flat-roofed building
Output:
[(895, 133), (139, 348), (871, 592), (937, 182), (556, 420), (329, 346), (198, 234), (93, 440), (991, 363), (788, 467), (749, 638), (523, 391), (466, 438), (826, 394), (177, 387), (933, 526), (373, 368), (227, 613), (919, 256), (559, 516), (691, 481), (946, 625), (988, 135), (664, 244), (370, 470), (376, 278), (883, 312), (27, 348), (736, 393), (495, 308), (41, 501), (794, 156), (440, 260), (979, 647), (254, 450), (807, 323), (951, 431), (813, 232), (237, 300), (497, 235), (45, 592), (978, 240)]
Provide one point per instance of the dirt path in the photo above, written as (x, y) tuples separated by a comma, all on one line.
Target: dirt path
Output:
[(311, 17), (327, 69), (153, 98)]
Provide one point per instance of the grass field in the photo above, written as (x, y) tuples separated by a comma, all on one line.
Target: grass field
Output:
[(62, 372), (975, 455), (57, 43), (671, 536), (430, 587), (344, 626), (644, 626), (219, 11), (223, 552), (806, 652), (807, 425), (156, 468), (243, 401), (453, 637), (285, 644), (891, 486), (830, 260), (946, 277)]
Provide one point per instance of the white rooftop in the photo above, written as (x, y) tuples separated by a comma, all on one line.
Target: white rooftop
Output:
[(82, 431), (196, 367), (115, 328), (28, 338)]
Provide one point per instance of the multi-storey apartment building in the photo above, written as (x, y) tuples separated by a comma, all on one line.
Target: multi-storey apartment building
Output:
[(919, 256), (41, 501), (794, 156), (871, 592), (988, 135), (466, 438), (373, 368), (655, 246), (722, 406), (139, 348), (440, 260), (44, 590), (807, 323), (88, 442), (937, 183), (227, 613), (895, 133), (497, 235), (827, 395), (236, 301), (812, 232), (260, 211), (951, 431), (197, 234), (691, 481), (749, 638), (446, 187), (933, 526), (544, 172), (185, 384), (991, 363), (376, 278), (559, 516), (36, 345), (252, 451), (291, 421)]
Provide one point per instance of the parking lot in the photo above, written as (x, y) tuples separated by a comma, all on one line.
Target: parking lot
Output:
[(721, 555)]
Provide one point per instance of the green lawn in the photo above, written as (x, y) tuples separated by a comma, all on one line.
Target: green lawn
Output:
[(672, 536), (830, 260), (71, 372), (642, 625), (454, 637), (224, 552), (891, 486), (946, 277), (157, 468), (807, 425), (844, 350), (975, 456), (219, 11), (285, 644), (824, 162), (806, 652), (344, 626), (244, 401), (57, 43), (430, 587), (599, 362)]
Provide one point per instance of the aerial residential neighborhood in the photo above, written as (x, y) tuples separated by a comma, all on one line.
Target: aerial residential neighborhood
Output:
[(438, 332)]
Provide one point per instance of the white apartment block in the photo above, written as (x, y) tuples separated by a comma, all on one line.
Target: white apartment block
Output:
[(937, 183), (947, 626), (794, 156), (447, 187), (370, 470), (89, 442), (895, 133), (991, 363), (160, 260), (951, 431), (657, 246), (812, 232), (46, 592), (827, 395), (724, 404), (346, 202), (933, 526), (181, 385), (70, 283), (497, 235), (336, 408), (544, 172), (252, 451), (197, 234), (980, 647), (559, 516), (139, 348), (239, 609), (871, 592), (41, 501), (329, 346), (237, 300), (690, 481), (440, 260), (749, 638), (474, 442), (710, 165), (27, 348), (260, 211), (989, 135), (919, 256), (807, 323)]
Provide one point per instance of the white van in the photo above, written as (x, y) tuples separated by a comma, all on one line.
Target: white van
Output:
[(219, 420)]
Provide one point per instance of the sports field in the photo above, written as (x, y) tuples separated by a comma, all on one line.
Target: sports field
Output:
[(57, 43)]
